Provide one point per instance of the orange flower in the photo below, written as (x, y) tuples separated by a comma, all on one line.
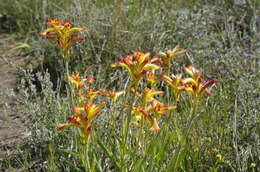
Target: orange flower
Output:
[(169, 55), (149, 110), (152, 79), (77, 82), (176, 83), (137, 65), (111, 94), (82, 119), (62, 33), (159, 108), (196, 85), (142, 116)]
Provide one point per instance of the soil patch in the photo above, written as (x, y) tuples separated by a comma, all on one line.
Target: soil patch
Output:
[(12, 129)]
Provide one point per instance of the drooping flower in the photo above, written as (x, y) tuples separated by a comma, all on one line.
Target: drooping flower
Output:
[(159, 108)]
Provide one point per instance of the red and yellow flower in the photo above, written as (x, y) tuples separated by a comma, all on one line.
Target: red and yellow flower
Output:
[(137, 65), (111, 94), (169, 55), (196, 84), (63, 34), (79, 83), (149, 110), (176, 84), (82, 119)]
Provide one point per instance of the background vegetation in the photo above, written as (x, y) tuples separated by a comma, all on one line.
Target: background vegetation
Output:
[(223, 40)]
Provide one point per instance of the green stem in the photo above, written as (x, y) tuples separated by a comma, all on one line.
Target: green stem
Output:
[(84, 158), (126, 125), (193, 117), (141, 136), (67, 68), (113, 119)]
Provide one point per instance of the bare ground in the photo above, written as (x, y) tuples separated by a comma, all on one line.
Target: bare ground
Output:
[(12, 129)]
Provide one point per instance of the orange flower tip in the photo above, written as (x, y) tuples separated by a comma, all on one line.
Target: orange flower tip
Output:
[(67, 24), (132, 89), (51, 33), (155, 130), (53, 21), (209, 83), (76, 73), (89, 128), (80, 38), (76, 109), (104, 103), (79, 95), (90, 79), (41, 33), (157, 60), (60, 128)]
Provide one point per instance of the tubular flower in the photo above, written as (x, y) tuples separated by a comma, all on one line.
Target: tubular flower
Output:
[(111, 94), (169, 55), (91, 94), (192, 72), (150, 110), (137, 65), (159, 108), (196, 85), (152, 79), (141, 116), (144, 117), (82, 119), (62, 33), (78, 83), (148, 95), (176, 83)]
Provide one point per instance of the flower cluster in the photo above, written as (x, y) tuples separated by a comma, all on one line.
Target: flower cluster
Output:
[(137, 65), (194, 84), (63, 34), (150, 109), (82, 118), (86, 111), (169, 55)]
